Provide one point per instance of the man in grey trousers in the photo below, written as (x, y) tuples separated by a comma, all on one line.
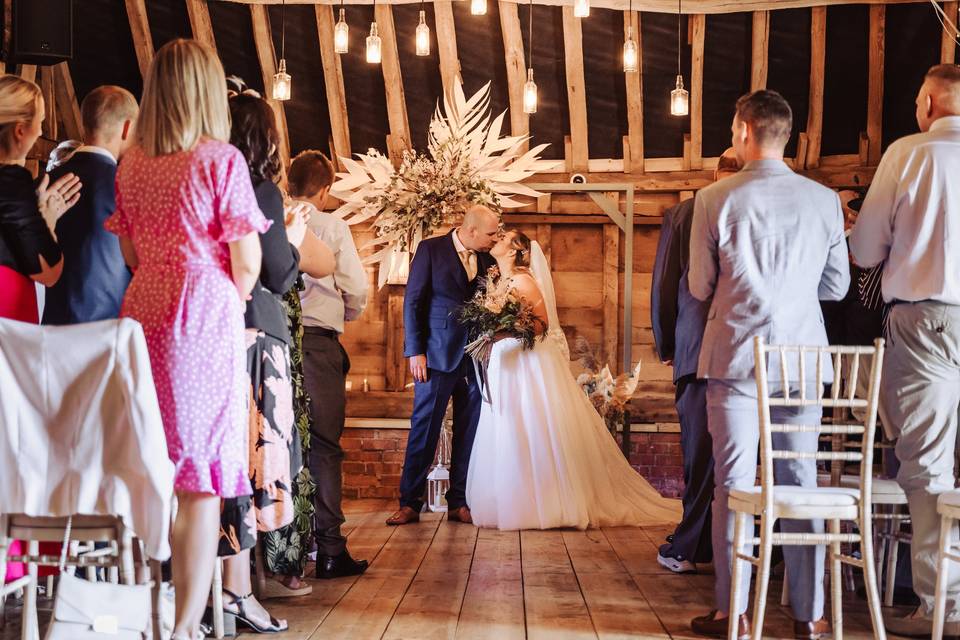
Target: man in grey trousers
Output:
[(767, 245), (911, 218)]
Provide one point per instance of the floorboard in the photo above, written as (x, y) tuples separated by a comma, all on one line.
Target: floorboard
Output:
[(493, 604), (554, 604)]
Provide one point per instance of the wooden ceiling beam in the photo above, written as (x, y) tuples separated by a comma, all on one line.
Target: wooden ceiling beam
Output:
[(67, 106), (576, 90), (633, 150), (200, 23), (446, 44), (140, 29), (516, 67), (50, 103), (263, 41), (948, 42), (333, 80), (818, 62), (699, 27), (875, 45), (760, 45), (28, 72), (399, 139)]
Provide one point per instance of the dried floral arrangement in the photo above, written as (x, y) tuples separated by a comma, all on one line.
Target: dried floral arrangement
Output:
[(467, 162), (608, 394)]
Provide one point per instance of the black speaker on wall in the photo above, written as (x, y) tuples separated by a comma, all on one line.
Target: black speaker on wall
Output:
[(42, 31)]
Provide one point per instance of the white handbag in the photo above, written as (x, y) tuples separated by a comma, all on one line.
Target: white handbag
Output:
[(85, 610)]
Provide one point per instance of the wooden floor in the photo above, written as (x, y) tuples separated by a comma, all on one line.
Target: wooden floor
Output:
[(445, 580)]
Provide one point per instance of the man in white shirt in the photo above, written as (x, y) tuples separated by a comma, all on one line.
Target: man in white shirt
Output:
[(327, 303), (911, 219)]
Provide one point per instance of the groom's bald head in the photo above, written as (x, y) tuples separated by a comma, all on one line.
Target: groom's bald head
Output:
[(480, 228)]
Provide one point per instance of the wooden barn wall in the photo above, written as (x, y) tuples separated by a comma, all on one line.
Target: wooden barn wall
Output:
[(551, 122), (606, 90), (845, 79), (480, 50), (363, 85), (726, 76), (421, 75), (662, 133), (789, 64)]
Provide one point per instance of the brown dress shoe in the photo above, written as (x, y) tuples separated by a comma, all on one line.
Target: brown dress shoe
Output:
[(709, 626), (405, 515), (811, 630), (461, 514)]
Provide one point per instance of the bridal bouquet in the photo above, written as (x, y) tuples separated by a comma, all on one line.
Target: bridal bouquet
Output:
[(608, 395), (497, 312)]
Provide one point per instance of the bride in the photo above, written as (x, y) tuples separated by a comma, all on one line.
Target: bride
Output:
[(543, 457)]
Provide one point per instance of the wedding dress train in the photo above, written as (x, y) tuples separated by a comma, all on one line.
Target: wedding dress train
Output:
[(543, 457)]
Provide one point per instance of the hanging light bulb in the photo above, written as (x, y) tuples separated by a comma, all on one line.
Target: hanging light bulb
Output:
[(630, 57), (530, 93), (281, 80), (373, 45), (423, 36), (478, 7), (341, 34), (581, 8), (679, 99)]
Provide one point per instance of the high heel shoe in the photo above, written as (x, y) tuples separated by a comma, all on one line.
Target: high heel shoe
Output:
[(241, 614)]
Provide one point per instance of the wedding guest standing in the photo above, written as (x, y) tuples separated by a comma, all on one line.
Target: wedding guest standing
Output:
[(678, 320), (911, 219), (96, 276), (327, 302), (188, 223), (766, 246)]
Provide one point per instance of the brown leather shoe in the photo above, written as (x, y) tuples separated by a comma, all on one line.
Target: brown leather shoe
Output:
[(406, 515), (461, 514), (811, 630), (709, 626)]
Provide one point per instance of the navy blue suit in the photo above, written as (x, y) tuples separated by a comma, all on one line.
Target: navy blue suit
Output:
[(436, 289), (95, 276)]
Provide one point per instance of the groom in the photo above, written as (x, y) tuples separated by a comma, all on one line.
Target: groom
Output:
[(442, 278)]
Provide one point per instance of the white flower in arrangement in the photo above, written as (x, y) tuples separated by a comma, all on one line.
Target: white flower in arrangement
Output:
[(466, 162)]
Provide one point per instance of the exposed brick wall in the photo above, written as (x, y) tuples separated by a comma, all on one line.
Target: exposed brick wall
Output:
[(374, 459)]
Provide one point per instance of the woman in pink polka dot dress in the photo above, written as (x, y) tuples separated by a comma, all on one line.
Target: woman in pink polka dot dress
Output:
[(188, 223)]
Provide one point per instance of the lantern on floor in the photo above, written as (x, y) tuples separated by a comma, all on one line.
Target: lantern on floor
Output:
[(478, 7), (581, 8), (438, 480), (341, 34), (373, 45), (423, 36)]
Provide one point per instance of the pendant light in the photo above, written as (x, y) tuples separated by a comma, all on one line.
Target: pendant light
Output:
[(478, 7), (679, 98), (631, 53), (373, 40), (281, 80), (530, 88), (581, 8), (423, 34), (341, 33)]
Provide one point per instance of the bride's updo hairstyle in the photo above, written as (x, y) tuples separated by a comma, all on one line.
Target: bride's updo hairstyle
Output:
[(520, 242)]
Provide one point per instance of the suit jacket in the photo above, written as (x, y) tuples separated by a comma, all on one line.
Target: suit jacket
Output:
[(95, 276), (678, 319), (436, 289), (767, 245)]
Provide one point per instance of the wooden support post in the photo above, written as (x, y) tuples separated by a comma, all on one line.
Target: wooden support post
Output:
[(67, 105), (699, 24), (760, 36), (333, 81), (611, 286), (263, 40), (878, 14), (28, 72), (140, 29), (200, 22), (948, 42), (395, 370), (399, 139), (50, 103), (818, 62), (516, 67), (633, 150), (446, 44), (545, 238), (576, 89)]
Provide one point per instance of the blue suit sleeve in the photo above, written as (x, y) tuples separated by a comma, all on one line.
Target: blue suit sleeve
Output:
[(416, 303), (665, 290)]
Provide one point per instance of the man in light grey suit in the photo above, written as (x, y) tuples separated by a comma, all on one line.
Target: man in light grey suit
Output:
[(766, 245)]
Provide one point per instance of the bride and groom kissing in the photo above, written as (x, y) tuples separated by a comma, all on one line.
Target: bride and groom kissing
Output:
[(535, 454)]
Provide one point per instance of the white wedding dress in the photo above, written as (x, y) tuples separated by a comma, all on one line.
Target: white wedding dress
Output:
[(543, 457)]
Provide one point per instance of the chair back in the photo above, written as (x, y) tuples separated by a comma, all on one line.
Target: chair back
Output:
[(799, 390)]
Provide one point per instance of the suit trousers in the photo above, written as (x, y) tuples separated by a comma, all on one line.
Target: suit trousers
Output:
[(430, 401), (691, 538), (734, 425), (920, 394), (325, 367)]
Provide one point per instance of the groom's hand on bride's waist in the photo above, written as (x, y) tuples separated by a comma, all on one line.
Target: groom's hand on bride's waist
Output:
[(418, 367)]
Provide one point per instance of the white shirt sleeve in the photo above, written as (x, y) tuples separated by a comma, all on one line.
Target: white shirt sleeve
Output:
[(350, 275), (872, 235)]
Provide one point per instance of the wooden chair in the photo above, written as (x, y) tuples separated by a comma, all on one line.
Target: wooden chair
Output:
[(948, 506), (831, 504), (27, 624)]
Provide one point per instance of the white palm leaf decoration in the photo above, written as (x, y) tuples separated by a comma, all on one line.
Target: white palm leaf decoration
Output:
[(467, 162)]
